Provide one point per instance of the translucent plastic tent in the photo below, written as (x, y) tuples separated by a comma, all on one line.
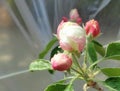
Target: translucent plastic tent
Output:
[(26, 26)]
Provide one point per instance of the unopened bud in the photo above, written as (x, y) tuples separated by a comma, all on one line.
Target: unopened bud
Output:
[(92, 27), (61, 62)]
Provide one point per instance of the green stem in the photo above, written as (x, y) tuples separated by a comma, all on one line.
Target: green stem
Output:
[(96, 63), (65, 75), (85, 62), (83, 74), (85, 58), (74, 79), (77, 63), (77, 71)]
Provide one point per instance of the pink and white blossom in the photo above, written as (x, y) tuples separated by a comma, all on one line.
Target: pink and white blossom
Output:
[(61, 62), (71, 36)]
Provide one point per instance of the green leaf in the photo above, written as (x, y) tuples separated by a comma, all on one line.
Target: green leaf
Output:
[(111, 71), (55, 51), (51, 71), (69, 88), (113, 83), (64, 80), (99, 48), (91, 52), (113, 51), (56, 87), (40, 64), (47, 48), (59, 87)]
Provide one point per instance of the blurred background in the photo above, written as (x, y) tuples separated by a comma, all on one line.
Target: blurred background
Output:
[(26, 26)]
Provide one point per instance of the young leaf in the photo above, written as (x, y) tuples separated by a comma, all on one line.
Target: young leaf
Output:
[(111, 71), (59, 87), (40, 64), (69, 88), (62, 81), (99, 48), (91, 52), (47, 48), (113, 83), (51, 71), (113, 51), (55, 51), (54, 87)]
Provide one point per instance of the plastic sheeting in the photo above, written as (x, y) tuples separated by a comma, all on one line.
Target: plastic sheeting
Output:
[(27, 25)]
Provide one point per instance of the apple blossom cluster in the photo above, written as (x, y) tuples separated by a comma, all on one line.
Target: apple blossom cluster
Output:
[(78, 54), (72, 38)]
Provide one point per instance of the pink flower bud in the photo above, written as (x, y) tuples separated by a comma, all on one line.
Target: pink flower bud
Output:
[(74, 16), (64, 19), (61, 62), (92, 27), (79, 20), (71, 37)]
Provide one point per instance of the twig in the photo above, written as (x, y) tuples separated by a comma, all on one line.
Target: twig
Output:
[(94, 85)]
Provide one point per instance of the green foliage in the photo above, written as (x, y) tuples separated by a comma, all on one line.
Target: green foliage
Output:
[(40, 64), (69, 88), (47, 48), (93, 47), (111, 71), (113, 51), (113, 83), (51, 71), (55, 51), (81, 69), (59, 87), (91, 52), (99, 48)]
